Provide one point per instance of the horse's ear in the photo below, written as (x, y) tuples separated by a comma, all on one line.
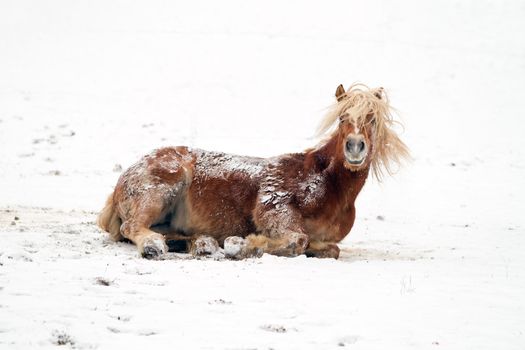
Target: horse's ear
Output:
[(340, 92), (379, 93)]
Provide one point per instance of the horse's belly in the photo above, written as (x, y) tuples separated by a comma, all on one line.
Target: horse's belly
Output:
[(219, 208)]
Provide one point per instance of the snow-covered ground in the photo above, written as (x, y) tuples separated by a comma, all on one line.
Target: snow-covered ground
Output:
[(436, 257)]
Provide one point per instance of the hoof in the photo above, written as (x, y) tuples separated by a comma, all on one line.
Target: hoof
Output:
[(234, 247), (238, 248), (153, 248), (205, 245)]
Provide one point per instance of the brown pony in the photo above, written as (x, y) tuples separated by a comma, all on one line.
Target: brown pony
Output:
[(300, 203)]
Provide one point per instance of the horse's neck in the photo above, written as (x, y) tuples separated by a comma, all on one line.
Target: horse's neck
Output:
[(349, 183)]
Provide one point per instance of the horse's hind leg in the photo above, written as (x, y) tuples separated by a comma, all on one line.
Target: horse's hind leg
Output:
[(149, 243), (136, 227)]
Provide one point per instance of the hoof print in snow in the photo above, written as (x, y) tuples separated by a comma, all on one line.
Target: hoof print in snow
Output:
[(102, 281), (349, 340), (147, 333), (274, 328), (113, 329), (220, 302), (62, 338)]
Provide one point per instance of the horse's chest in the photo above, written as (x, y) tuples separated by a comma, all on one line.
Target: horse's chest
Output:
[(329, 213), (331, 224), (312, 194)]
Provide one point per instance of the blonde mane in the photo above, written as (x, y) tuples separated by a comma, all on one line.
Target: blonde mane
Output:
[(358, 102)]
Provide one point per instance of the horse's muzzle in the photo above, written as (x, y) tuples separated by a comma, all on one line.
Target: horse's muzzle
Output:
[(355, 149)]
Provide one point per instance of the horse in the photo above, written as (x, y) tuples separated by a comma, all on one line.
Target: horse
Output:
[(292, 204)]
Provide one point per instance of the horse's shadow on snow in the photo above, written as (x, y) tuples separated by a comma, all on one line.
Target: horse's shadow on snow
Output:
[(355, 254)]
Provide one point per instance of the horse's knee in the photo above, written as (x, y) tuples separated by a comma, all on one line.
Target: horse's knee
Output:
[(298, 242), (125, 229)]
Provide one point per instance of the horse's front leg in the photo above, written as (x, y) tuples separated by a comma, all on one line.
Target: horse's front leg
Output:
[(318, 249), (281, 234), (288, 244)]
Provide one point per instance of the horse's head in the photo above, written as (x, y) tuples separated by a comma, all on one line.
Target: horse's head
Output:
[(362, 127)]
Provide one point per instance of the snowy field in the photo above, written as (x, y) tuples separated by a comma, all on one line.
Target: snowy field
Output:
[(436, 259)]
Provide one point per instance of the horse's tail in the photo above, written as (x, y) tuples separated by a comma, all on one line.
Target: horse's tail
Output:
[(109, 221)]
